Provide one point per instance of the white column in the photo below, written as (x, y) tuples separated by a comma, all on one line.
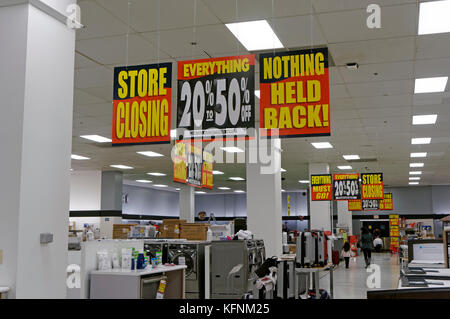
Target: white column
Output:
[(344, 216), (36, 86), (264, 199), (319, 211), (187, 203)]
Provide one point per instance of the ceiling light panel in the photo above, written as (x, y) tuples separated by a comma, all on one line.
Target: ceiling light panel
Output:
[(434, 17), (416, 164), (255, 35), (321, 145), (424, 119), (421, 154), (119, 166), (96, 138), (421, 140), (79, 157), (430, 85), (150, 154), (351, 157)]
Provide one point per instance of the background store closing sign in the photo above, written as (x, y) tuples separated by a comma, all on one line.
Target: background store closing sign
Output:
[(216, 94)]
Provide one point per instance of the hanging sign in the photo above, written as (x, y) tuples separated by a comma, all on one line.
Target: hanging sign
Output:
[(394, 232), (207, 174), (194, 165), (354, 205), (142, 104), (387, 203), (346, 186), (321, 187), (216, 97), (295, 93), (180, 162), (370, 204), (372, 185)]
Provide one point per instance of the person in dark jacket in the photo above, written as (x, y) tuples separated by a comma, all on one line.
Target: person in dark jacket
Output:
[(366, 245)]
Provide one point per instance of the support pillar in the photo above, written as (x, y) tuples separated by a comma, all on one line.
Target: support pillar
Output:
[(344, 216), (187, 203)]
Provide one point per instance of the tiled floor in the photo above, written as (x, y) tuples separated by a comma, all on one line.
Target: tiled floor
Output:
[(352, 283)]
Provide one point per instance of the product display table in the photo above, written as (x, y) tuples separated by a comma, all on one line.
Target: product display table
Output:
[(315, 271), (137, 284), (4, 292)]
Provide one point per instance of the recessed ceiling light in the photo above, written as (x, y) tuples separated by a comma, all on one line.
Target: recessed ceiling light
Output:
[(283, 190), (237, 179), (424, 119), (223, 188), (79, 157), (150, 154), (322, 145), (200, 192), (218, 173), (351, 157), (145, 181), (255, 35), (414, 178), (413, 183), (239, 191), (421, 140), (415, 173), (282, 170), (156, 174), (232, 149), (344, 167), (303, 181), (96, 138), (258, 93), (416, 165), (177, 189), (71, 169), (160, 185), (430, 85), (420, 154), (433, 17), (121, 166)]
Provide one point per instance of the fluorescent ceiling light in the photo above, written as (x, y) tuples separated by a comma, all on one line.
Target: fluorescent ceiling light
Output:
[(177, 189), (237, 179), (239, 191), (416, 165), (255, 35), (96, 138), (258, 94), (414, 178), (150, 154), (79, 157), (415, 173), (223, 188), (431, 85), (424, 119), (421, 140), (422, 154), (160, 185), (344, 167), (145, 181), (351, 157), (283, 190), (282, 170), (218, 173), (303, 181), (121, 166), (200, 192), (413, 183), (232, 149), (433, 17), (156, 174), (322, 145)]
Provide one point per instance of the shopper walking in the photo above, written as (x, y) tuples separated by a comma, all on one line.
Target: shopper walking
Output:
[(378, 244), (366, 245), (346, 253)]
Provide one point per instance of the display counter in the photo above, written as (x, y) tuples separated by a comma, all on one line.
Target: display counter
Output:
[(137, 284)]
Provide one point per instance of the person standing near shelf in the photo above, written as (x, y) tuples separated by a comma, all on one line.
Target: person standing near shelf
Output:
[(366, 245), (346, 253)]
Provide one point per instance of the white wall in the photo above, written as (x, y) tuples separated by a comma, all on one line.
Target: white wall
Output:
[(85, 190)]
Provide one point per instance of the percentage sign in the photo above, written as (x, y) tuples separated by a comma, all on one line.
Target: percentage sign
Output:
[(210, 94), (244, 89)]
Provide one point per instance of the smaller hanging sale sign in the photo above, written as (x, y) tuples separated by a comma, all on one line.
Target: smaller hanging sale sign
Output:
[(321, 187), (371, 185), (354, 205), (370, 204), (346, 186), (207, 174), (387, 203), (180, 162), (194, 165), (394, 232)]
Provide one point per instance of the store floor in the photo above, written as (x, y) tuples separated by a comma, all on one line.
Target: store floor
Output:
[(352, 283)]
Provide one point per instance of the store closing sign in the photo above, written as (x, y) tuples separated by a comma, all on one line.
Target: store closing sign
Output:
[(216, 97), (321, 187), (387, 203), (354, 205), (142, 104), (295, 97), (346, 186), (372, 186)]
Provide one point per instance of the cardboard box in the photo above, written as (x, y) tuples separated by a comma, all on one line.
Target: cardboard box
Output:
[(120, 231), (170, 228), (194, 231)]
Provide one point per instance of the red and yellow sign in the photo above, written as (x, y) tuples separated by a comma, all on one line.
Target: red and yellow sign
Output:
[(371, 185), (295, 93), (207, 174), (387, 203), (321, 187), (142, 104), (354, 205), (180, 162), (394, 232)]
